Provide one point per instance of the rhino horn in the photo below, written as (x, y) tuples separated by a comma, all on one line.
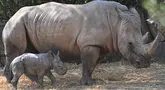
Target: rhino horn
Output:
[(151, 47), (146, 38)]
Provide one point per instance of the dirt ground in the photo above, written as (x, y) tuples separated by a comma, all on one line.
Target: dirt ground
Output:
[(108, 76)]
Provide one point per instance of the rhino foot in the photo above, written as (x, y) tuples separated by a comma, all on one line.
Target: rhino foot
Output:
[(54, 85), (87, 81), (14, 88), (39, 86)]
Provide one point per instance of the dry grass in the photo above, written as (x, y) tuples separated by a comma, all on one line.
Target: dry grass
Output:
[(108, 76), (23, 81), (3, 84)]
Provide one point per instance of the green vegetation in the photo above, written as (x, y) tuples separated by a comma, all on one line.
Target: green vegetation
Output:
[(156, 9), (9, 7)]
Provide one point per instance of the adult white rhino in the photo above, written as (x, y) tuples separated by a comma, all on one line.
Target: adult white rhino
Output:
[(89, 31)]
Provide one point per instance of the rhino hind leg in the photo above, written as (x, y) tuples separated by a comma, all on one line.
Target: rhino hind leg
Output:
[(89, 57), (14, 45), (17, 71), (12, 52), (15, 79)]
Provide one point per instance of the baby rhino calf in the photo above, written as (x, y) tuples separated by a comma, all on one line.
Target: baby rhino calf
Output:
[(35, 66)]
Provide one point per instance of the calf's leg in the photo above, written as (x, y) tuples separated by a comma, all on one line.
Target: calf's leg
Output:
[(15, 79), (40, 81), (32, 77), (40, 74), (52, 78), (17, 72), (89, 57)]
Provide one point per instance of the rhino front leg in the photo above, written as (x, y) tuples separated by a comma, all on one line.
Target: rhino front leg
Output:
[(89, 57), (40, 81), (40, 74), (32, 77), (52, 78)]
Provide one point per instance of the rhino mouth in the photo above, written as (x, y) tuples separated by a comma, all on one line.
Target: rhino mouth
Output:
[(142, 63), (139, 60), (61, 71)]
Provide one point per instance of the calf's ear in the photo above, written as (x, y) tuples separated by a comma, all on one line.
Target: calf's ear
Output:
[(58, 53), (50, 53)]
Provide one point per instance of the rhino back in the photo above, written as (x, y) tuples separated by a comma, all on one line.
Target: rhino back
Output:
[(16, 61), (36, 62), (32, 60), (72, 27)]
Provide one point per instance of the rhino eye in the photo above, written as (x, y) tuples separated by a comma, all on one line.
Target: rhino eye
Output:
[(130, 45)]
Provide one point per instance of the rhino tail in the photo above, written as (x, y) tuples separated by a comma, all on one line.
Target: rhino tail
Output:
[(10, 76)]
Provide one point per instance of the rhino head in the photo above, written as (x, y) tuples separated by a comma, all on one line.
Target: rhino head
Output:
[(131, 43), (58, 66)]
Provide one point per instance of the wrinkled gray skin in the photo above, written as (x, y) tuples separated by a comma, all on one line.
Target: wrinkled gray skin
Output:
[(35, 66), (89, 31)]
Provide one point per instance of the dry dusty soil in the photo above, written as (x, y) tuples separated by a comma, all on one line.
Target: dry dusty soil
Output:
[(108, 76)]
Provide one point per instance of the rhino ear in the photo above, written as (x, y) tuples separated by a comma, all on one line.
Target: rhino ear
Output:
[(51, 53), (58, 53), (123, 16), (120, 13)]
